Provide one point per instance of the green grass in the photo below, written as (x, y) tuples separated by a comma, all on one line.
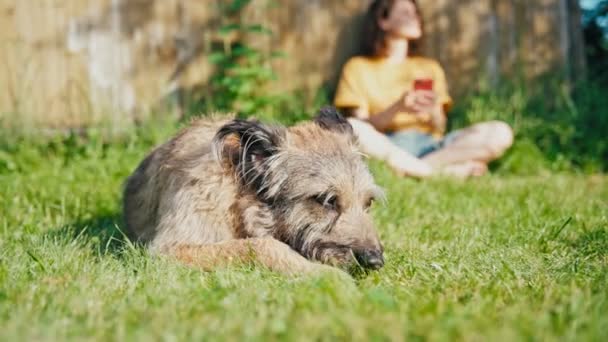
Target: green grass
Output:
[(504, 257), (556, 126)]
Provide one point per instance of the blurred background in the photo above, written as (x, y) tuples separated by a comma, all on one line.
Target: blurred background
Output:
[(69, 65)]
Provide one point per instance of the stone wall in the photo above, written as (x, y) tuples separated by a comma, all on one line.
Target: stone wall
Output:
[(73, 62)]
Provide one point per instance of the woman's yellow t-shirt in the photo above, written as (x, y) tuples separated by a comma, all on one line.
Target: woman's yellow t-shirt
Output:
[(374, 84)]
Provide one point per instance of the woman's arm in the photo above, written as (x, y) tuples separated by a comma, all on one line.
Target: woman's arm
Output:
[(379, 146), (383, 120), (439, 119), (416, 101)]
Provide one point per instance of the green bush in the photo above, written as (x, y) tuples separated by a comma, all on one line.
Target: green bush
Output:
[(556, 132), (557, 127), (243, 72)]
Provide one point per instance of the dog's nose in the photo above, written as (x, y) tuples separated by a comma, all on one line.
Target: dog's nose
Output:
[(372, 259)]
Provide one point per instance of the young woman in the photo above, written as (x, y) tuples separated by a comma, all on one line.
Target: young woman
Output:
[(398, 102)]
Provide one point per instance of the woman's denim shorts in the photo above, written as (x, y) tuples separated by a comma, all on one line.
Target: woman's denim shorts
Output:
[(420, 144)]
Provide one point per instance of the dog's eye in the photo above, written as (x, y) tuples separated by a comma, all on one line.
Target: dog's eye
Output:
[(370, 201), (327, 201)]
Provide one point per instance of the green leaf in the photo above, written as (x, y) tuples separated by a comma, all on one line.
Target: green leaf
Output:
[(227, 29), (237, 6), (217, 57), (257, 28)]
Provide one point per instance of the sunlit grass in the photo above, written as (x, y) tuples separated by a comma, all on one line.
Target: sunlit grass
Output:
[(505, 257)]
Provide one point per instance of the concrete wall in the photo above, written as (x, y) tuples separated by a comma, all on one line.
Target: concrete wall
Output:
[(73, 62)]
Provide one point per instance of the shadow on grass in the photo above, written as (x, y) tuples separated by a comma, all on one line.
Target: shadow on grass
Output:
[(586, 253), (591, 244), (104, 234)]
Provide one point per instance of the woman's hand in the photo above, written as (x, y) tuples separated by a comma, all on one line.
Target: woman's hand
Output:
[(423, 103), (420, 101)]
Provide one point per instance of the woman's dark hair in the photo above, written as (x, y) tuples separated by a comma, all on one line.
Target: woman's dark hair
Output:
[(374, 37)]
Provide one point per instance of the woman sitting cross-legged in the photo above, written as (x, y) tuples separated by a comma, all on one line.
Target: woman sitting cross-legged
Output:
[(397, 102)]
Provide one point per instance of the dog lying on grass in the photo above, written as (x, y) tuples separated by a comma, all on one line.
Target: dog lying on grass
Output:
[(231, 191)]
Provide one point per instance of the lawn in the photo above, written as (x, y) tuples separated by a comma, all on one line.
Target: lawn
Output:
[(504, 257)]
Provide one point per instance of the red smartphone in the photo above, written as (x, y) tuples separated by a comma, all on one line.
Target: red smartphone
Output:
[(423, 84)]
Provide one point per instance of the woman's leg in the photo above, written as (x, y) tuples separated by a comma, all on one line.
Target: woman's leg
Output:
[(377, 145), (480, 143)]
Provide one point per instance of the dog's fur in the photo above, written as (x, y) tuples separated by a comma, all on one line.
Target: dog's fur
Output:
[(225, 191)]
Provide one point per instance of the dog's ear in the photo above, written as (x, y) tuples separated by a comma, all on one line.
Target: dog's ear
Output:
[(247, 145), (329, 118)]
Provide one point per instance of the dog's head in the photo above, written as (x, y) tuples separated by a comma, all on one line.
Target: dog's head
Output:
[(313, 181)]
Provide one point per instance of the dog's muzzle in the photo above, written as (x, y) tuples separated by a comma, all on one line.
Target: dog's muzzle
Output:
[(370, 258)]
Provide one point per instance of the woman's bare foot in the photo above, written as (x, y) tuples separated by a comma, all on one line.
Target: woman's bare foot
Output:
[(465, 170)]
